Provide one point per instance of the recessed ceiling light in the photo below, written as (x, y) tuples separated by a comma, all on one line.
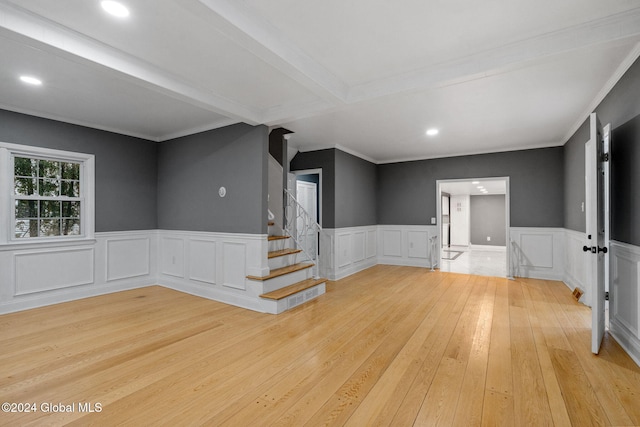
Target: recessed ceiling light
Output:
[(432, 132), (31, 80), (475, 182), (115, 8)]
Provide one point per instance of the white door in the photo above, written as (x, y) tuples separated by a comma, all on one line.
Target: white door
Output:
[(459, 218), (596, 228), (307, 195)]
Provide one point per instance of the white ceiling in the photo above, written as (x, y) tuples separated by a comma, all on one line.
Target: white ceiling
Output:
[(366, 76)]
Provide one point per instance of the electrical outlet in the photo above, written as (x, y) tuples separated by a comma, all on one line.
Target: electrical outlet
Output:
[(433, 220), (488, 238)]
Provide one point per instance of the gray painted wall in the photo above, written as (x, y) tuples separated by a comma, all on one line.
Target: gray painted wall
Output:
[(356, 197), (625, 182), (574, 189), (191, 169), (407, 190), (126, 172), (349, 197), (325, 160), (619, 107), (488, 220)]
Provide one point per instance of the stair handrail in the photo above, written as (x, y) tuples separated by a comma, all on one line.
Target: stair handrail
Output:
[(516, 258), (433, 240), (294, 211)]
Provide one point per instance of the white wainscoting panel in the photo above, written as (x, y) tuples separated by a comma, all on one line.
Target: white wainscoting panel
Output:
[(575, 275), (391, 243), (537, 252), (372, 243), (418, 244), (405, 244), (354, 249), (127, 258), (624, 304), (172, 255), (213, 265), (358, 243), (344, 249), (45, 270), (39, 274), (202, 260), (234, 256)]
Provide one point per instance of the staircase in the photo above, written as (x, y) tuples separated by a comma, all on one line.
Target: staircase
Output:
[(290, 281)]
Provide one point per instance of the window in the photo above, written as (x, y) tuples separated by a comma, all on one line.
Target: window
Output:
[(47, 195)]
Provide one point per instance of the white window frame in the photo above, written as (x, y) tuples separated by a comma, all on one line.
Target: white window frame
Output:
[(7, 204)]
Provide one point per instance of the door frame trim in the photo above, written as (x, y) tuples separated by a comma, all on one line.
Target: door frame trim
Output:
[(311, 172), (507, 221)]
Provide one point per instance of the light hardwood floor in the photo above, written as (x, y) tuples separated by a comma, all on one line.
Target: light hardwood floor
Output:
[(391, 345)]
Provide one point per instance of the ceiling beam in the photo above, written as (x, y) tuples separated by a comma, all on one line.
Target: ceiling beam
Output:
[(268, 43), (60, 40)]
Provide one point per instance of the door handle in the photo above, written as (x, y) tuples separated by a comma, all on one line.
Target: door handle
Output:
[(591, 249), (604, 249)]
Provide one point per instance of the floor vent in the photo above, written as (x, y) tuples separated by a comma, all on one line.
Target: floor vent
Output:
[(312, 293), (295, 300), (298, 299)]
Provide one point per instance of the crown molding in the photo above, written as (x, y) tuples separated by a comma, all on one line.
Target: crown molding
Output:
[(336, 147), (198, 129), (472, 153), (79, 123), (608, 86)]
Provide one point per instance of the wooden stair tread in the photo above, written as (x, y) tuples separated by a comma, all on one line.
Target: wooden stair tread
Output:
[(271, 223), (282, 271), (283, 252), (281, 293), (270, 238)]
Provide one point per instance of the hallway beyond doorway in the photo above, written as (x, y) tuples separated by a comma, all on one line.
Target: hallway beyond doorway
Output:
[(479, 261)]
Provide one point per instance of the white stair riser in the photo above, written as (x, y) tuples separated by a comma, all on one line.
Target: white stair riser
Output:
[(285, 280), (300, 298), (284, 261), (276, 245)]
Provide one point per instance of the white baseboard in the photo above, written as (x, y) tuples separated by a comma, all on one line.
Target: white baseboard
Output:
[(220, 294), (487, 248)]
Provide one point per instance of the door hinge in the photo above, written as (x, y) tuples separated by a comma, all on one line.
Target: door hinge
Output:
[(605, 157), (606, 296)]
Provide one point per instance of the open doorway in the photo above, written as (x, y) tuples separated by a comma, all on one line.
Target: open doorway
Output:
[(306, 187), (473, 231)]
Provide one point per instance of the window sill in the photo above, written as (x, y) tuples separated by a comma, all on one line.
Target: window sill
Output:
[(44, 244)]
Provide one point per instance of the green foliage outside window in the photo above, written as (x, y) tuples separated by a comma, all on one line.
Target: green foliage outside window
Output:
[(47, 198)]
